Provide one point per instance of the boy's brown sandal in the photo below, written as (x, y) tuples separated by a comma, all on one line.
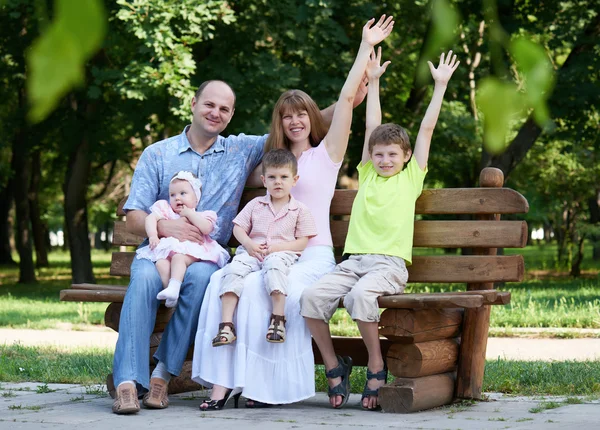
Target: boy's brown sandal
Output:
[(126, 401), (224, 337), (157, 397), (276, 331)]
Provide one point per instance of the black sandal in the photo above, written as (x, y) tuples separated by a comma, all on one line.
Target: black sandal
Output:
[(343, 370), (228, 336), (256, 404), (276, 330), (217, 405), (367, 392)]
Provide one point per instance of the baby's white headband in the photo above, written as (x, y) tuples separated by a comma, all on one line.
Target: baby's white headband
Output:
[(194, 182)]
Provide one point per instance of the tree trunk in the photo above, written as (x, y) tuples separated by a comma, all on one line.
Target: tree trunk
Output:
[(576, 266), (76, 218), (21, 166), (38, 228), (6, 201), (595, 220), (530, 131)]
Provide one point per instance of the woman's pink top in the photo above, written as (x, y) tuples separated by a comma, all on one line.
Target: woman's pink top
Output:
[(315, 188)]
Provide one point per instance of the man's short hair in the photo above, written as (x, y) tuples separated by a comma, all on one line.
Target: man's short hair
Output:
[(204, 84), (280, 158), (389, 134)]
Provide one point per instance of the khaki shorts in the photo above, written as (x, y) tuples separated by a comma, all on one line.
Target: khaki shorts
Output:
[(275, 268), (360, 280)]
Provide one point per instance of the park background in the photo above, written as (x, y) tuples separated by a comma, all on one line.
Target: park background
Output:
[(86, 86)]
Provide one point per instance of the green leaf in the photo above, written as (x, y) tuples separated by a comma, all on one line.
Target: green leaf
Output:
[(57, 58), (500, 102), (538, 73)]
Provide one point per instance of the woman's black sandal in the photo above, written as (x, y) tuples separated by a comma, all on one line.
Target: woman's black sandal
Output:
[(367, 392), (216, 405), (276, 331), (256, 404), (224, 337), (343, 370)]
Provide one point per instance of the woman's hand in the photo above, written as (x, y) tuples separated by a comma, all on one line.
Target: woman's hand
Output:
[(445, 69), (373, 34), (374, 68)]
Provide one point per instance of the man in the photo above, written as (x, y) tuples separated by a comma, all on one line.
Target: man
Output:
[(223, 165)]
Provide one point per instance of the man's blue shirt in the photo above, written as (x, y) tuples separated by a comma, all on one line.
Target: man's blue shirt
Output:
[(223, 170)]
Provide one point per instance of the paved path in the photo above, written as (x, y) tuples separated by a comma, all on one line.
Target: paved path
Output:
[(508, 348), (73, 407)]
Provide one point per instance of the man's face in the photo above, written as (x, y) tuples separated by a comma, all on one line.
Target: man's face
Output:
[(279, 181), (388, 160), (213, 110), (181, 194)]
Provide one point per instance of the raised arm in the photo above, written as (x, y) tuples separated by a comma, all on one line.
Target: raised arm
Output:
[(336, 140), (373, 118), (205, 225), (441, 76), (360, 95)]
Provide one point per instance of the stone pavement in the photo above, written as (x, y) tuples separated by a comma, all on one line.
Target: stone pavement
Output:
[(77, 407)]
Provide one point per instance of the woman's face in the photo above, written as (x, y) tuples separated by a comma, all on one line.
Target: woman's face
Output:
[(296, 126)]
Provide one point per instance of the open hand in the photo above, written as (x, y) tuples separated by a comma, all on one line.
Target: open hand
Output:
[(374, 68), (181, 229), (445, 69), (373, 34)]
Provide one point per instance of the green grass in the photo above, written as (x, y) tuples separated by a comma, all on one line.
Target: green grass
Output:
[(90, 366), (52, 365)]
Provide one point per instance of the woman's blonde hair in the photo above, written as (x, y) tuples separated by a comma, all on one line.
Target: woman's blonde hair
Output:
[(295, 101)]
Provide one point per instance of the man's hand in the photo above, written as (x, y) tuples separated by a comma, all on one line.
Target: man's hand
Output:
[(361, 92), (445, 69), (180, 229), (153, 241), (255, 249)]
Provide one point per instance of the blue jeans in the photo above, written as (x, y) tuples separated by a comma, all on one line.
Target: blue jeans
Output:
[(138, 315)]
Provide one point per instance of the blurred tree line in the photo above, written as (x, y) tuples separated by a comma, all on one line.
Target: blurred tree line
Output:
[(86, 86)]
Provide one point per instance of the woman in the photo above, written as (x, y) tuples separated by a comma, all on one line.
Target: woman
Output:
[(269, 373)]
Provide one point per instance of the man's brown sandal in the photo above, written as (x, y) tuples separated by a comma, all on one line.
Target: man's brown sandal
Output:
[(276, 331), (126, 400), (224, 337), (157, 397)]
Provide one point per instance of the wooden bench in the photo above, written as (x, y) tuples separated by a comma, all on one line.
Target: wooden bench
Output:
[(435, 343)]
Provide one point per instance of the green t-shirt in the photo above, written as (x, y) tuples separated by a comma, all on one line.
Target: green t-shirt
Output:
[(383, 212)]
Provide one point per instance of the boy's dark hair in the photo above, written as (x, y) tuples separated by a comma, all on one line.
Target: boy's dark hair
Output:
[(388, 134), (204, 84), (280, 158)]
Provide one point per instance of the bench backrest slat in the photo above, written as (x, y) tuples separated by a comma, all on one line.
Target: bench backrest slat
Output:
[(444, 268)]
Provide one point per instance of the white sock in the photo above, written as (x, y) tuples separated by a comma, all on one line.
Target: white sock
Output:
[(160, 371), (126, 382), (171, 293)]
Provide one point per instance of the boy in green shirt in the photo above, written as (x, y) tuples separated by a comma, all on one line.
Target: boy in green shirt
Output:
[(380, 235)]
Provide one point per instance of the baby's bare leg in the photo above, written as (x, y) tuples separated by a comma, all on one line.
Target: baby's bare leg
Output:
[(179, 264), (164, 270)]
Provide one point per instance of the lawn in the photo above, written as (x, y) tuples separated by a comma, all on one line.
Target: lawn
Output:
[(547, 297)]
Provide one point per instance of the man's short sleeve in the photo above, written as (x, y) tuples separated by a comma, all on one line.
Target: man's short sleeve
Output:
[(145, 184), (256, 147)]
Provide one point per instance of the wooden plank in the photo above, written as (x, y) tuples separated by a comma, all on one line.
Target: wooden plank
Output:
[(92, 296), (436, 269), (121, 237), (431, 201), (431, 301), (470, 234), (422, 359), (98, 287), (420, 325), (352, 346), (416, 394)]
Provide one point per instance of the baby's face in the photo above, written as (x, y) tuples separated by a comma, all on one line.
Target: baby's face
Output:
[(279, 181), (181, 194), (388, 160)]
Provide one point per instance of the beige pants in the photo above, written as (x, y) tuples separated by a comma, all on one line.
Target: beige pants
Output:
[(360, 280), (275, 268)]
